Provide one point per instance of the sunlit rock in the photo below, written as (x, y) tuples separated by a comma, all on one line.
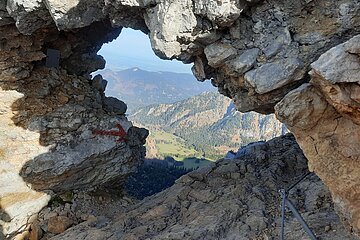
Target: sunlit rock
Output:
[(324, 117)]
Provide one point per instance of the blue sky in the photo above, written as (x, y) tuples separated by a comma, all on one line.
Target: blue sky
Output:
[(132, 49)]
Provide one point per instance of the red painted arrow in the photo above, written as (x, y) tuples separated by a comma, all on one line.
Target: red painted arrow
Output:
[(118, 133)]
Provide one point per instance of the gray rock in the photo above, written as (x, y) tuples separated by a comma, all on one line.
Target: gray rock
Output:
[(114, 105), (84, 63), (244, 62), (325, 112), (309, 38), (348, 55), (208, 37), (70, 14), (272, 49), (217, 53), (271, 76), (223, 14), (131, 13), (73, 154), (15, 213), (265, 27), (275, 46), (29, 15), (251, 148), (99, 83), (256, 223), (198, 69), (339, 83), (5, 18), (137, 136), (185, 30), (164, 37), (208, 204)]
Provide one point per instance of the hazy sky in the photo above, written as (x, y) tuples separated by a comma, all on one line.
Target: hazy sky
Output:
[(132, 49)]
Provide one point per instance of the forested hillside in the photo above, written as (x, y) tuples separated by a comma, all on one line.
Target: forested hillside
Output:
[(207, 123)]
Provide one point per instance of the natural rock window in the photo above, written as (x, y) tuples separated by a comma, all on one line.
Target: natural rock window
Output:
[(269, 56)]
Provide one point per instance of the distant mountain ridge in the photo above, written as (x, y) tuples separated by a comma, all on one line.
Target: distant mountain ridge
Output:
[(209, 123), (139, 88)]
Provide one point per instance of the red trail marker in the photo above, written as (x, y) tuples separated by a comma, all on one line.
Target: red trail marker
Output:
[(118, 133)]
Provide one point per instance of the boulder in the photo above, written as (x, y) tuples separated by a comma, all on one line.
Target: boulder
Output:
[(70, 14), (243, 62), (218, 53), (115, 106), (271, 76), (99, 83), (325, 120), (59, 224)]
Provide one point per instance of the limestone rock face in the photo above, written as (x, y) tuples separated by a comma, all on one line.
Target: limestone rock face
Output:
[(325, 117), (166, 27), (70, 14), (339, 83), (232, 199), (218, 53), (271, 76), (28, 15), (220, 14), (53, 132), (286, 42), (289, 34), (115, 106), (255, 52)]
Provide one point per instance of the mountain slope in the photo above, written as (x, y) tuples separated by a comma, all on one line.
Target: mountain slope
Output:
[(231, 199), (209, 123), (139, 88)]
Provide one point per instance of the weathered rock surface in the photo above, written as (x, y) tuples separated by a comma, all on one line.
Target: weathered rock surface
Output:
[(74, 207), (232, 199), (339, 83), (271, 76), (29, 16), (290, 36), (325, 117), (115, 106), (58, 224), (74, 14), (47, 118), (4, 15)]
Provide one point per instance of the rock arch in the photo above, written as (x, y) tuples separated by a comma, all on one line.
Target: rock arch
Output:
[(258, 53)]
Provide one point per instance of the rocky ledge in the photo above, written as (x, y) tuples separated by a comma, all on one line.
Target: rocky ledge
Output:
[(232, 199)]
